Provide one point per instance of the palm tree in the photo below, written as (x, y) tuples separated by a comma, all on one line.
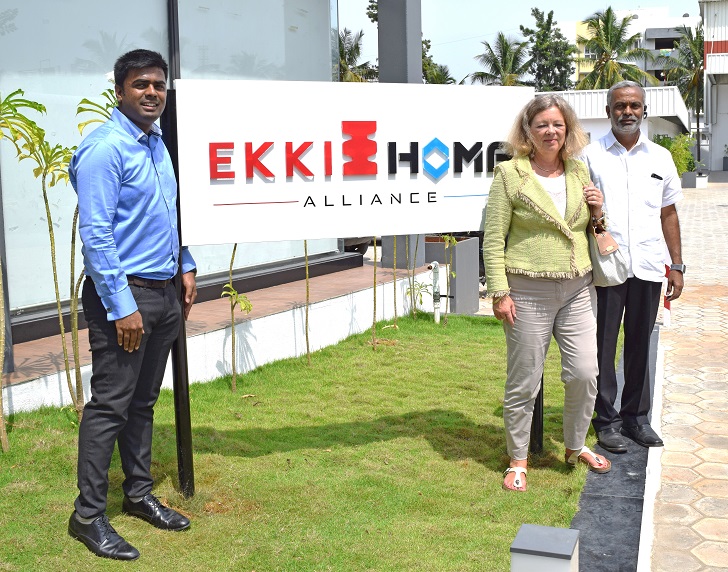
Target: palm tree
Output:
[(440, 74), (349, 54), (685, 69), (505, 62), (614, 50)]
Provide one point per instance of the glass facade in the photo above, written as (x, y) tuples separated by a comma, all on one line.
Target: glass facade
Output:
[(60, 52)]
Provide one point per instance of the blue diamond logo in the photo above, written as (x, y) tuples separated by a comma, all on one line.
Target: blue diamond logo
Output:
[(436, 146)]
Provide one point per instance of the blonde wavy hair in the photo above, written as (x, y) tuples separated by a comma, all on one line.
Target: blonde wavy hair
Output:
[(520, 143)]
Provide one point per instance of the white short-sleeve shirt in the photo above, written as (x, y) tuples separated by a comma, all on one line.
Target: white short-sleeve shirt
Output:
[(636, 185)]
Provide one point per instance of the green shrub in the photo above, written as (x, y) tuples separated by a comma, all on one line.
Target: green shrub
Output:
[(663, 141), (680, 148)]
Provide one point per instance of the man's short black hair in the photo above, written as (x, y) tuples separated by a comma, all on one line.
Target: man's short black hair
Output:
[(136, 60)]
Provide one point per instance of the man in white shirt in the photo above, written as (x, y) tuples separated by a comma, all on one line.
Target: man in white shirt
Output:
[(640, 186)]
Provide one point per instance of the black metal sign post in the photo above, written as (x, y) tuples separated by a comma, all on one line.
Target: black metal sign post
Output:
[(183, 421), (536, 442)]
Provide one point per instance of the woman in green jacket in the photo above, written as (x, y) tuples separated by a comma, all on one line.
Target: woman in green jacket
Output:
[(538, 272)]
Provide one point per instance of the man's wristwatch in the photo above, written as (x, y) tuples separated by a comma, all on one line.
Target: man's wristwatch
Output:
[(678, 267)]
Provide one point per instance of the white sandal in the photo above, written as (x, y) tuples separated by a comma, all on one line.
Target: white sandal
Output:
[(603, 465), (518, 482)]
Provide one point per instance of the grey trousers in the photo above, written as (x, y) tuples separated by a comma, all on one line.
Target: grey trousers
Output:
[(566, 309), (124, 388)]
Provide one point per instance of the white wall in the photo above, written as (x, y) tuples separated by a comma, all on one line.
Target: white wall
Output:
[(719, 128), (259, 341)]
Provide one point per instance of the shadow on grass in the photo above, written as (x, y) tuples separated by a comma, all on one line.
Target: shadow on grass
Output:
[(451, 434)]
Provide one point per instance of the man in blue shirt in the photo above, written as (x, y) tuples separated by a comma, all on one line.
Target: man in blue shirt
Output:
[(127, 194)]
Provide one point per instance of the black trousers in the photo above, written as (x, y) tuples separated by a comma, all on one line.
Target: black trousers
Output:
[(124, 388), (638, 301)]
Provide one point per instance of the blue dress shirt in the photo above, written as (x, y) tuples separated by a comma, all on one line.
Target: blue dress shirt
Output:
[(127, 196)]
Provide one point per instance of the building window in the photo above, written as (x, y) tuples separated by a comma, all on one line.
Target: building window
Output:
[(664, 43)]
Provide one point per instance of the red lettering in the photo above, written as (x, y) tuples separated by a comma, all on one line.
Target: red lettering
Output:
[(327, 158), (359, 148), (216, 160), (253, 163), (293, 159)]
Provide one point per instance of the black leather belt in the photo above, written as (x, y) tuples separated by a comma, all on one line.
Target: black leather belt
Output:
[(147, 282)]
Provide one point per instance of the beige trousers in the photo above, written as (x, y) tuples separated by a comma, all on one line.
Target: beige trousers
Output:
[(566, 309)]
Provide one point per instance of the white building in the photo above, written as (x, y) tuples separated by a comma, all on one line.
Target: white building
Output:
[(667, 114), (715, 28)]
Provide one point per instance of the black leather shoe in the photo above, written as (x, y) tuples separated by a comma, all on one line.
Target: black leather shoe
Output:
[(643, 435), (611, 440), (155, 513), (101, 538)]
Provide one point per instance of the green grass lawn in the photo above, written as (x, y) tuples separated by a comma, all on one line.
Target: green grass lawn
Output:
[(364, 460)]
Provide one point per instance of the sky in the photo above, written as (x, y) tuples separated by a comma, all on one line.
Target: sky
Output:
[(457, 28)]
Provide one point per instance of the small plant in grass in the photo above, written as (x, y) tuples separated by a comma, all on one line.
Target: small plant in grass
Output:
[(394, 279), (450, 242), (374, 318), (413, 289), (308, 299), (416, 292), (236, 300), (394, 282), (101, 113), (17, 128), (52, 168)]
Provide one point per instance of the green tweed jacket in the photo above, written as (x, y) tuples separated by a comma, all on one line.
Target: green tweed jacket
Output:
[(525, 234)]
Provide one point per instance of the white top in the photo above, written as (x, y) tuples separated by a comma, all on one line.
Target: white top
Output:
[(636, 184), (556, 187)]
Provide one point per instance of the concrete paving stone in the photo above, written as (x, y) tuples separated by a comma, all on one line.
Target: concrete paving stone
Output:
[(713, 455), (719, 385), (684, 431), (683, 379), (711, 441), (684, 350), (694, 361), (712, 428), (682, 419), (670, 513), (680, 444), (683, 388), (671, 560), (712, 470), (671, 407), (720, 340), (718, 396), (711, 553), (680, 459), (677, 536), (681, 494), (711, 506), (709, 358), (712, 529), (712, 376), (711, 488), (713, 415), (679, 475), (679, 397)]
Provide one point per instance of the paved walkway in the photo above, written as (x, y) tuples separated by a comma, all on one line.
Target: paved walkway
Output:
[(691, 505)]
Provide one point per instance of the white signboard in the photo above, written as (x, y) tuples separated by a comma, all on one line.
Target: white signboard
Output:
[(303, 160)]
